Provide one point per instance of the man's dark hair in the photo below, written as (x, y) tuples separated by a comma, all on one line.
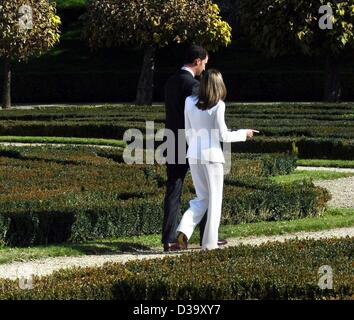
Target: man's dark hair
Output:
[(195, 52)]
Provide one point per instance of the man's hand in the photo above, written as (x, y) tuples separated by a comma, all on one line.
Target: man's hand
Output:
[(250, 133)]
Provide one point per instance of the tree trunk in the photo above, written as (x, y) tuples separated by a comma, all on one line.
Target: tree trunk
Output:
[(146, 81), (333, 89), (6, 97)]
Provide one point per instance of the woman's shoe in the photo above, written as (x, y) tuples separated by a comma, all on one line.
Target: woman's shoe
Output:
[(182, 240)]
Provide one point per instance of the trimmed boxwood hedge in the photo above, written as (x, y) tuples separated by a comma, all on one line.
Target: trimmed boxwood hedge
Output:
[(53, 195), (287, 270), (269, 164), (308, 148), (319, 131)]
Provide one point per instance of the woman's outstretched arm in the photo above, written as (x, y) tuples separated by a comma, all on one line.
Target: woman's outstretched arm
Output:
[(225, 134)]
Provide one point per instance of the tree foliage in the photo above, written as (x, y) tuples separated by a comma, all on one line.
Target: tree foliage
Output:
[(155, 22), (21, 43), (278, 27)]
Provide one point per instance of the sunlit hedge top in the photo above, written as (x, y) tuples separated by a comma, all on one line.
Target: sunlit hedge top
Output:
[(155, 22), (40, 33)]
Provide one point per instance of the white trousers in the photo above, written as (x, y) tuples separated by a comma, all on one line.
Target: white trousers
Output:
[(208, 180)]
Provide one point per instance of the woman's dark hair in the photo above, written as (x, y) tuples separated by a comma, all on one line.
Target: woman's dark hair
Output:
[(195, 52), (212, 89)]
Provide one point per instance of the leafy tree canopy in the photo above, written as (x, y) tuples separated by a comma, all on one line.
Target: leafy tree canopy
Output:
[(155, 22), (280, 26), (27, 27)]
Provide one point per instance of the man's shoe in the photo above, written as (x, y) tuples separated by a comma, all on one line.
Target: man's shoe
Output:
[(182, 240), (221, 242), (172, 246)]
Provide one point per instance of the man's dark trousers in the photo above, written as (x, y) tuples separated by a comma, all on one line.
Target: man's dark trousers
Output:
[(175, 178)]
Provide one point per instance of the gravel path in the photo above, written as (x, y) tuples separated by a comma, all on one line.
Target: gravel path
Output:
[(54, 105), (342, 189), (35, 144), (325, 169), (47, 266)]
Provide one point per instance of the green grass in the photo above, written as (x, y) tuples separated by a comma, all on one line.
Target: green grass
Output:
[(308, 175), (8, 255), (326, 163), (333, 218), (63, 140)]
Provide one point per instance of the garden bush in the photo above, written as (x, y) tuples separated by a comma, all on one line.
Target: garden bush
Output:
[(54, 195), (318, 131), (270, 271)]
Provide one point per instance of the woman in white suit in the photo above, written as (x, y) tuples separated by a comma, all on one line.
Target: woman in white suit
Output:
[(205, 128)]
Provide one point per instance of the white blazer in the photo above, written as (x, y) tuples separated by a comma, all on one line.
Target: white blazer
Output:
[(205, 129)]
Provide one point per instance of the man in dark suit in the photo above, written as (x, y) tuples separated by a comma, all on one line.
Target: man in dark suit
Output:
[(178, 87)]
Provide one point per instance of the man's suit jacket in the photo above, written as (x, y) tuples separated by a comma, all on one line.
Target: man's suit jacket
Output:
[(178, 87)]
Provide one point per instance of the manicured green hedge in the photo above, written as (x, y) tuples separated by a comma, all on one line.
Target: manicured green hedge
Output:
[(270, 164), (112, 130), (115, 128), (307, 148), (318, 130), (260, 200), (287, 270), (99, 216), (53, 195), (273, 271)]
